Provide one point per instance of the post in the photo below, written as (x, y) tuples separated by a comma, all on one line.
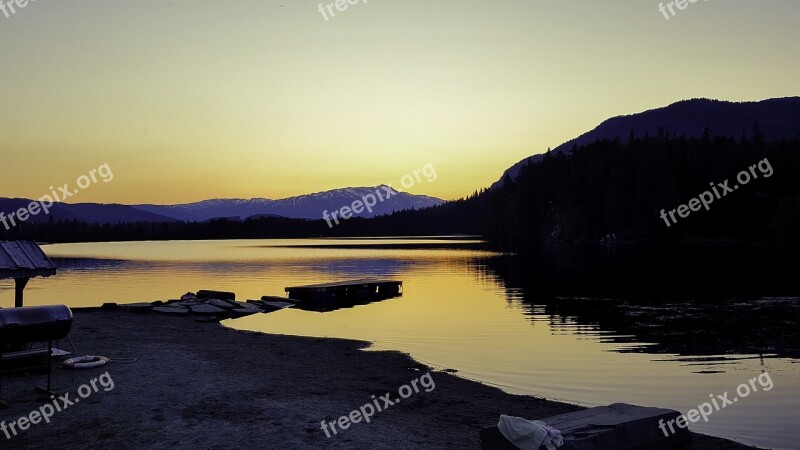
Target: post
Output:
[(49, 364), (2, 403), (20, 284)]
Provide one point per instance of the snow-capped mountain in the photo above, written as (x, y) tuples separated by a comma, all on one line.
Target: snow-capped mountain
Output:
[(310, 206)]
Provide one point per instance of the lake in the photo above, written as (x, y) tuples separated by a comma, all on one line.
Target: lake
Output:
[(586, 326)]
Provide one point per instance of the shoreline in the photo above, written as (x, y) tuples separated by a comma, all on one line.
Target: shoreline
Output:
[(203, 384)]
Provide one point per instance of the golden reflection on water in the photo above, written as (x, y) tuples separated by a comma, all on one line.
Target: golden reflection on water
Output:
[(90, 274), (451, 315)]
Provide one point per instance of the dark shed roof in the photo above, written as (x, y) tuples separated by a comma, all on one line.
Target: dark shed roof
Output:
[(24, 259)]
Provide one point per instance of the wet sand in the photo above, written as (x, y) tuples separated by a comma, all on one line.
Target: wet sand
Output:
[(201, 385)]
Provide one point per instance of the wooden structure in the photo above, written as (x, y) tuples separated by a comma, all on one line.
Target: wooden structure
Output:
[(367, 289), (23, 260), (345, 293), (20, 327)]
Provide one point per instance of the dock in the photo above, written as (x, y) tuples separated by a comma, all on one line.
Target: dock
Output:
[(351, 291)]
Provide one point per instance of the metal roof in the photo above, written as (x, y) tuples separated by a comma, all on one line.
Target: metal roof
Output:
[(24, 259)]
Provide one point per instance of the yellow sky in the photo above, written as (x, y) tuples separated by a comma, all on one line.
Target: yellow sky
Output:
[(188, 100)]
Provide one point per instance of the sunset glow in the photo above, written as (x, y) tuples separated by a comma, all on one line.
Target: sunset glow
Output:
[(189, 100)]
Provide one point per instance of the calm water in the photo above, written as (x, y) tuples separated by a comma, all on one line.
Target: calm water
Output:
[(579, 327)]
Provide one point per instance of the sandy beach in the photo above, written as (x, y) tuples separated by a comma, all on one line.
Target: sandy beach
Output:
[(201, 385)]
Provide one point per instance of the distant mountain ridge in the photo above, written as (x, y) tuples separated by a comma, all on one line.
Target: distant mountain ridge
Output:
[(776, 118), (690, 118), (83, 212), (310, 206)]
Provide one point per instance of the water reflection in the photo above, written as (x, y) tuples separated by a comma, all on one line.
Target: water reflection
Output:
[(678, 301), (591, 326)]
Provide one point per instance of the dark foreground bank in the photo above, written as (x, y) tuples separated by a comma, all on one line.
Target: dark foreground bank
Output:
[(200, 385)]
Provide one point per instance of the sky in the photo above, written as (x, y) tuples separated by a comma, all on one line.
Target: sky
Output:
[(187, 100)]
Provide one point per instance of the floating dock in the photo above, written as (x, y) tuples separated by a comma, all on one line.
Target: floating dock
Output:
[(347, 291)]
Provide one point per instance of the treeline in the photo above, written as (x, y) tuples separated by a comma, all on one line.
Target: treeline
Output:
[(615, 190), (611, 190), (77, 231), (459, 217)]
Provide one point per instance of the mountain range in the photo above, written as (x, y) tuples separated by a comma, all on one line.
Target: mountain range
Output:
[(309, 206), (777, 119), (772, 120)]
